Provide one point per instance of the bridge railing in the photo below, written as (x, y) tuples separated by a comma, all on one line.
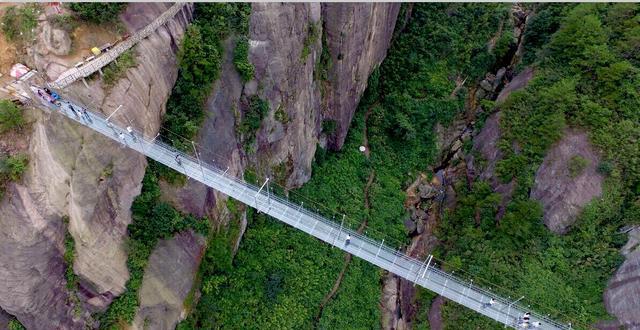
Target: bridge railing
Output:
[(104, 59), (407, 267)]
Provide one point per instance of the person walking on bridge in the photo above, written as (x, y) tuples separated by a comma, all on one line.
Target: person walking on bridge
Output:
[(130, 130), (73, 110), (178, 159), (123, 139), (86, 115), (489, 303), (348, 240)]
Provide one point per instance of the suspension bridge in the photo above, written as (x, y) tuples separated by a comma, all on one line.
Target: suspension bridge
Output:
[(73, 74), (424, 273)]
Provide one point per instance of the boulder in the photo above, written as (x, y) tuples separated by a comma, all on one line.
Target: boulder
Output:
[(427, 191), (54, 40), (486, 85)]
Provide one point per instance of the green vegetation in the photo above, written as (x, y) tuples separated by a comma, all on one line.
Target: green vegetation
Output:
[(241, 59), (14, 324), (584, 77), (70, 276), (257, 109), (576, 165), (152, 220), (64, 22), (98, 12), (282, 115), (329, 126), (69, 256), (199, 59), (116, 70), (11, 116), (11, 169), (321, 71), (19, 23), (313, 33)]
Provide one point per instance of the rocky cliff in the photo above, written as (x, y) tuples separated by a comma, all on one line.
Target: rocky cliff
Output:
[(77, 173), (357, 36), (167, 281), (286, 43), (567, 180), (307, 88), (621, 296)]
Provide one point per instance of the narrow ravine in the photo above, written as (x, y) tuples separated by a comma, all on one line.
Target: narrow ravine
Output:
[(427, 200)]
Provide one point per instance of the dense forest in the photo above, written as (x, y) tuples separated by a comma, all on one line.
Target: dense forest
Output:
[(586, 58)]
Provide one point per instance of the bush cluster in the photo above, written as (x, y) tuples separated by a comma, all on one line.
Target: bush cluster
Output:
[(11, 116), (98, 12), (19, 23)]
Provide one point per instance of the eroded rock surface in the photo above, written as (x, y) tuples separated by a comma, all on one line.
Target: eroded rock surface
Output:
[(622, 296), (31, 240), (167, 281), (76, 172), (562, 193), (358, 36), (99, 216)]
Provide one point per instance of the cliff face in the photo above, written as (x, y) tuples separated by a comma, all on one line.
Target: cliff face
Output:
[(286, 42), (78, 173), (285, 48), (358, 36), (167, 281), (621, 295)]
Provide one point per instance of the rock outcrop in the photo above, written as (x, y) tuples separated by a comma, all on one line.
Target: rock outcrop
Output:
[(621, 296), (563, 190), (31, 240), (167, 281), (76, 172), (358, 36), (286, 45)]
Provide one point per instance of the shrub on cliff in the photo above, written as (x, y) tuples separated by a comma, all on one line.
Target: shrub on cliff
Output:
[(98, 12), (10, 116), (241, 59)]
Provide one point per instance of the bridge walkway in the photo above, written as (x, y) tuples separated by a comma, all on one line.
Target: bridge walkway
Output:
[(423, 273)]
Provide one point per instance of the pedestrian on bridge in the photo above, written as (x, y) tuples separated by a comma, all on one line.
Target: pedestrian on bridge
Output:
[(348, 240), (74, 111), (123, 139), (86, 115), (130, 130), (489, 303), (178, 160)]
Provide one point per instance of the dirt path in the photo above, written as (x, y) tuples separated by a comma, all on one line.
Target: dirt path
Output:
[(347, 256)]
